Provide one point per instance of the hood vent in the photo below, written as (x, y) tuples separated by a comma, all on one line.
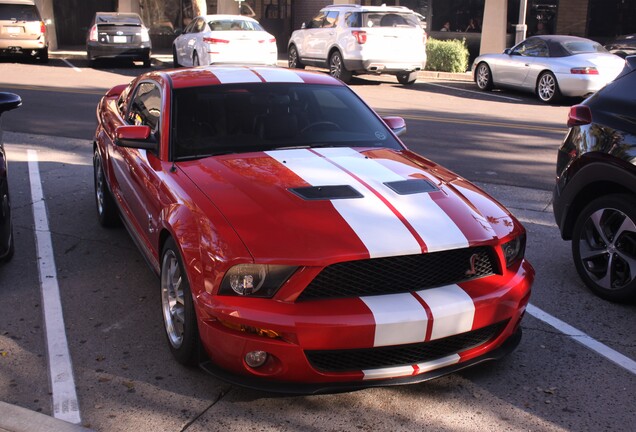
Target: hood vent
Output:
[(316, 193), (409, 187)]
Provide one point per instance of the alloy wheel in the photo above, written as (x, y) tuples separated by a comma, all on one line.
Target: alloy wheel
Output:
[(172, 298)]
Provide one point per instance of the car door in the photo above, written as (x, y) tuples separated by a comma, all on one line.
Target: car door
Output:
[(136, 170), (515, 68), (310, 43), (192, 41)]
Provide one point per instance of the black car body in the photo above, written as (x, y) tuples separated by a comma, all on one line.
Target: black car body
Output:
[(623, 45), (8, 101), (115, 35), (595, 193)]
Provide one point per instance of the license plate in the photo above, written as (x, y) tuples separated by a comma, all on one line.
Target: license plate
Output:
[(119, 39), (14, 29)]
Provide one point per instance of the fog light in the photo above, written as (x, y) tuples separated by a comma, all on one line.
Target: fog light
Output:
[(255, 358)]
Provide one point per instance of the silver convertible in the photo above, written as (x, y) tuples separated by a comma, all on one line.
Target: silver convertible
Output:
[(549, 66)]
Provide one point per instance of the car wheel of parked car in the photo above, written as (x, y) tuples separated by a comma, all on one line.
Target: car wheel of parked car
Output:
[(604, 247), (483, 77), (177, 306), (337, 68), (147, 61), (107, 212), (175, 59), (195, 59), (548, 88), (43, 56), (11, 250), (292, 59), (406, 77)]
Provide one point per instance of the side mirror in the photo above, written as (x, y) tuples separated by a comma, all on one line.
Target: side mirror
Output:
[(138, 137), (396, 124), (507, 51), (9, 101), (303, 26)]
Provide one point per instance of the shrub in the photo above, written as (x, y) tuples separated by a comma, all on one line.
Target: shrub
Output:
[(446, 55)]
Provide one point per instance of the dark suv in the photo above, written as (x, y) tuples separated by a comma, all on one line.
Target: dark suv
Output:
[(595, 193)]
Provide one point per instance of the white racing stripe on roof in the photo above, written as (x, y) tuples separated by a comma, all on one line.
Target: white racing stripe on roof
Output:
[(399, 319), (375, 224), (271, 75), (452, 308), (236, 75), (434, 225)]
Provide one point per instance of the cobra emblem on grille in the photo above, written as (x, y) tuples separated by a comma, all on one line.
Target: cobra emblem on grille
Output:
[(471, 271)]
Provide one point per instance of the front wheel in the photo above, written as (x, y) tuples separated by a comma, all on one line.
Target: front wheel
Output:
[(337, 68), (483, 77), (604, 247), (175, 59), (548, 88), (179, 317), (195, 59), (293, 61), (107, 212)]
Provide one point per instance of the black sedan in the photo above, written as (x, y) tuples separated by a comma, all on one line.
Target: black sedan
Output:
[(8, 101), (622, 46), (115, 35), (595, 193)]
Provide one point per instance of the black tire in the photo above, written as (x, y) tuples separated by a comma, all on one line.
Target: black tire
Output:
[(337, 68), (43, 56), (107, 212), (195, 59), (483, 77), (548, 88), (177, 306), (147, 61), (11, 250), (175, 59), (406, 77), (604, 244), (293, 61)]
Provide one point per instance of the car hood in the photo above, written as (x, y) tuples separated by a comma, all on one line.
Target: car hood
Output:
[(331, 204)]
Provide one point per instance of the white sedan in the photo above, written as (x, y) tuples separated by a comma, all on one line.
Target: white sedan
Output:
[(549, 66), (214, 39)]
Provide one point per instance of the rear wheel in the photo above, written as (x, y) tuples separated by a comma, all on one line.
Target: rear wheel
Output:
[(337, 68), (11, 250), (406, 77), (43, 56), (178, 307), (195, 59), (604, 247), (147, 61), (483, 77), (548, 88), (293, 60)]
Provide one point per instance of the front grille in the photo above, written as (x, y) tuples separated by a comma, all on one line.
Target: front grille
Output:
[(401, 355), (400, 274)]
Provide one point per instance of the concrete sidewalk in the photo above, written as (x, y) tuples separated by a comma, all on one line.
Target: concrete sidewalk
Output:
[(17, 419)]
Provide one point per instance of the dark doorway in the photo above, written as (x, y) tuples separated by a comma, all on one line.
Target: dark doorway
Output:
[(73, 17), (609, 18)]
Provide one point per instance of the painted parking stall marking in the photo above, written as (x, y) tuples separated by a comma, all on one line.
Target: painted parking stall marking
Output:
[(65, 403)]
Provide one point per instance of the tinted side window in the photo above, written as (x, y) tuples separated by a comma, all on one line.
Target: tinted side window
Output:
[(353, 19), (330, 19), (532, 48), (145, 108), (316, 22)]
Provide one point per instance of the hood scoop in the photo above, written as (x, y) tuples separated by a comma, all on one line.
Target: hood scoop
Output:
[(413, 186), (317, 193)]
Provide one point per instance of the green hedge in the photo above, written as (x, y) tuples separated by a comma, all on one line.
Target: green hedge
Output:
[(446, 55)]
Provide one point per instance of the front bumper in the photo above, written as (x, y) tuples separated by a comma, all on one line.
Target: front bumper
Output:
[(347, 327)]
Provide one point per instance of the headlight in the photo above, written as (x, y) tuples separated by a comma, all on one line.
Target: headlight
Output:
[(255, 280), (514, 249)]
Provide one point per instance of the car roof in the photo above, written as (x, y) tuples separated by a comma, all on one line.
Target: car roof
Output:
[(555, 43), (383, 8), (225, 16), (218, 75)]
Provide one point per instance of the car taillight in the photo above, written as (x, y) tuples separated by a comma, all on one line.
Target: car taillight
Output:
[(584, 71), (145, 35), (361, 36), (42, 27), (272, 40), (579, 115), (93, 34), (215, 41)]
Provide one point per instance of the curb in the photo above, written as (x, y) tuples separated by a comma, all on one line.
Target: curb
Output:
[(17, 419)]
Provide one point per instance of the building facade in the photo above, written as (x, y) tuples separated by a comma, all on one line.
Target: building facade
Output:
[(497, 20)]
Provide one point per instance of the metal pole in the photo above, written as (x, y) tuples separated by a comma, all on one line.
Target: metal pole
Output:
[(521, 27)]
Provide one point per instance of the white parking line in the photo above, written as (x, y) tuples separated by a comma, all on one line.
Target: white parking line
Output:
[(476, 92), (76, 69), (65, 404), (582, 338)]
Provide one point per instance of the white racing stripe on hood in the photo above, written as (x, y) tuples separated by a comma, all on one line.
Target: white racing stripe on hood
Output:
[(379, 229), (434, 226), (452, 308), (399, 319), (238, 75), (278, 75)]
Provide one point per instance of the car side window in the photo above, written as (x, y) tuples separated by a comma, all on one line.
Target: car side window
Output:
[(189, 27), (353, 19), (316, 22), (199, 25), (330, 20), (532, 48), (145, 108)]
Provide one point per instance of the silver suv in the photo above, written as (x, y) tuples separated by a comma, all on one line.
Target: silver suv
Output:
[(353, 39), (22, 31)]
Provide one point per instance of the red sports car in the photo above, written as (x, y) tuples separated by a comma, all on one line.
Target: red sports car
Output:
[(300, 246)]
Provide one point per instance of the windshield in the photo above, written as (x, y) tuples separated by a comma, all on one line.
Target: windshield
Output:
[(240, 118)]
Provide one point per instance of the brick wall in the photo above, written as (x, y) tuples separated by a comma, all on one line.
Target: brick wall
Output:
[(572, 17)]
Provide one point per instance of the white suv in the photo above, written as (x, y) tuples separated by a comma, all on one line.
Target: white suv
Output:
[(353, 39)]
